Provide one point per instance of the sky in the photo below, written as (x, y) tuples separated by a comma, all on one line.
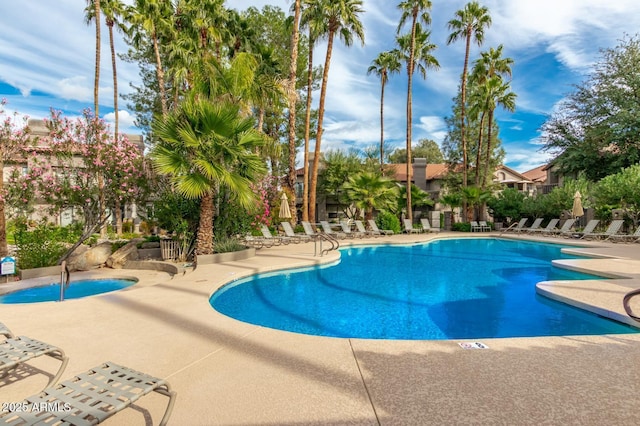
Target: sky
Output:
[(47, 57)]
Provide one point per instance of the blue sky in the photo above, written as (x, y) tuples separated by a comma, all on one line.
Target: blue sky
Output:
[(47, 61)]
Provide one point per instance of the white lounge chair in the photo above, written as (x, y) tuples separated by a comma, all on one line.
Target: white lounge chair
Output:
[(553, 223), (327, 229), (534, 226), (408, 227), (291, 234), (426, 225), (360, 227), (375, 229), (308, 230), (516, 227), (346, 228), (484, 225), (589, 228), (565, 229)]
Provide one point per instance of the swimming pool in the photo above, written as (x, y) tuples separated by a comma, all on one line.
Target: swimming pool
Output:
[(75, 290), (445, 289)]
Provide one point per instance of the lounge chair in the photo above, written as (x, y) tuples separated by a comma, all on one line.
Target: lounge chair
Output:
[(408, 227), (376, 230), (17, 350), (91, 398), (517, 227), (426, 226), (327, 229), (346, 228), (534, 226), (635, 237), (291, 234), (268, 236), (4, 330), (308, 230), (589, 228), (360, 227), (614, 228), (565, 229), (553, 223)]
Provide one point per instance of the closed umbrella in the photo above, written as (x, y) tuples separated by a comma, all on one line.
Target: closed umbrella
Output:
[(285, 212), (577, 209)]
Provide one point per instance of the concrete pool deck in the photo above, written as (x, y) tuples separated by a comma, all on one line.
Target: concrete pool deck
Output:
[(231, 373)]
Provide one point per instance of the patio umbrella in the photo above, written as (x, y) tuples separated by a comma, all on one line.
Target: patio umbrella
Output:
[(577, 210), (285, 212)]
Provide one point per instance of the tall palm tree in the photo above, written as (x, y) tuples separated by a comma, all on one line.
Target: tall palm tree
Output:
[(292, 98), (202, 145), (313, 19), (418, 11), (92, 13), (499, 94), (343, 19), (385, 64), (469, 22)]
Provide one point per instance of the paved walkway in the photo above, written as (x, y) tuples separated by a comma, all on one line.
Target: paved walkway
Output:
[(231, 373)]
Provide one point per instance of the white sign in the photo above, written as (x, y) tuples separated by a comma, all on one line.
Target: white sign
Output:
[(473, 345), (8, 265)]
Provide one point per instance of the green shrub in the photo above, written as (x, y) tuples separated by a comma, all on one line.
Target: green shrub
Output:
[(152, 239), (461, 227), (117, 245), (389, 221), (39, 247), (226, 245)]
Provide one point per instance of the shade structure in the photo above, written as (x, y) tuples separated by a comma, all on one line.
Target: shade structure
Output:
[(577, 210), (285, 212)]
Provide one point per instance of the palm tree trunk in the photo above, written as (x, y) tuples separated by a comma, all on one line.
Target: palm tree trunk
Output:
[(488, 154), (410, 115), (307, 126), (110, 24), (293, 67), (463, 105), (205, 227), (382, 126), (316, 158), (160, 74), (96, 83), (479, 153)]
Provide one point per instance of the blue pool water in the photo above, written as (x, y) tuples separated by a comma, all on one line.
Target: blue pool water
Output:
[(76, 290), (446, 289)]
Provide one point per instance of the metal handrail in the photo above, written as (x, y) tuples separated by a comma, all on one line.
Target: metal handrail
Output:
[(335, 244), (625, 303)]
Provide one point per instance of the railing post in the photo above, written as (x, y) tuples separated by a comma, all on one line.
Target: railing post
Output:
[(63, 270)]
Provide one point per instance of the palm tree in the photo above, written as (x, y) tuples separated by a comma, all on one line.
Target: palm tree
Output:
[(469, 23), (420, 59), (418, 11), (369, 191), (292, 97), (313, 19), (343, 19), (92, 13), (203, 145), (385, 64)]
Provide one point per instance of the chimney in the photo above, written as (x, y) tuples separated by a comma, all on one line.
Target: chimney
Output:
[(420, 173)]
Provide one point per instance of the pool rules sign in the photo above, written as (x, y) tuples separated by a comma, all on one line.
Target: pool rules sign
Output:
[(8, 265)]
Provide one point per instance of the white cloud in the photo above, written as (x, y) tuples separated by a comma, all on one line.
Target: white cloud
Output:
[(125, 121)]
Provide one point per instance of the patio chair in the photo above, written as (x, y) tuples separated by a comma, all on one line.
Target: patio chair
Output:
[(408, 227), (346, 228), (589, 228), (534, 226), (375, 229), (484, 225), (565, 229), (516, 227), (368, 233), (91, 397), (17, 350), (614, 228), (308, 230), (327, 229), (4, 330), (291, 234), (553, 223), (426, 225)]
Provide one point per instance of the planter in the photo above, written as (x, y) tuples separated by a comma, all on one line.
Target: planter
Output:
[(46, 271), (208, 259)]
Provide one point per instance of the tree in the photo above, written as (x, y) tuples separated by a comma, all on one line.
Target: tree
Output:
[(417, 10), (370, 191), (469, 23), (92, 13), (203, 145), (620, 190), (292, 98), (14, 138), (343, 19), (507, 204), (425, 148), (595, 129), (337, 167), (474, 197), (385, 64)]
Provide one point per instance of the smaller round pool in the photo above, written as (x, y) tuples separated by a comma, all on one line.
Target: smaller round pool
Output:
[(75, 290)]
